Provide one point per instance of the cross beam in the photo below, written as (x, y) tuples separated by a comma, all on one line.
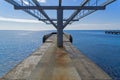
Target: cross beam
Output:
[(63, 7), (56, 19)]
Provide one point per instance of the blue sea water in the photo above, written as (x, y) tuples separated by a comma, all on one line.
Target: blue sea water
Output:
[(103, 49), (16, 46)]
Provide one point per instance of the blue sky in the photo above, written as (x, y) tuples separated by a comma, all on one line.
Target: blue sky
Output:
[(11, 19)]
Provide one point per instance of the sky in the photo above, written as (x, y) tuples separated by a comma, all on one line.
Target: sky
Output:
[(108, 19)]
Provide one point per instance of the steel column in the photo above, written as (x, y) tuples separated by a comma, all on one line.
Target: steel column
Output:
[(60, 27)]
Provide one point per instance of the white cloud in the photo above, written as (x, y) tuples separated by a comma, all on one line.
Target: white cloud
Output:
[(25, 2), (19, 20), (107, 26), (42, 1)]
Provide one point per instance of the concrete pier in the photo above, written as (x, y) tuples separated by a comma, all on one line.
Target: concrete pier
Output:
[(49, 62)]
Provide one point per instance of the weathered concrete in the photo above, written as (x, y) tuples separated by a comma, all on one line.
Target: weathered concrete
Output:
[(52, 63)]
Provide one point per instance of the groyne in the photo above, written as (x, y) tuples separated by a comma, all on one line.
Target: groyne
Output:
[(49, 62)]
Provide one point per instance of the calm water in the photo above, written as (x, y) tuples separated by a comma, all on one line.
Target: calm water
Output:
[(102, 49)]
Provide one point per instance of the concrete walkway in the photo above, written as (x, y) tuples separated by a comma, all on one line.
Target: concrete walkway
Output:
[(51, 63)]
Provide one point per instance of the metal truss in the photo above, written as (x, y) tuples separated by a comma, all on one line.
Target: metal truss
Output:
[(34, 8)]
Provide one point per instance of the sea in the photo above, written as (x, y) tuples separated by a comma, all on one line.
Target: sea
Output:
[(103, 49)]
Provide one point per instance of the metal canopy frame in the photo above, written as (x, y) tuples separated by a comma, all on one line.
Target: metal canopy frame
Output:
[(34, 8)]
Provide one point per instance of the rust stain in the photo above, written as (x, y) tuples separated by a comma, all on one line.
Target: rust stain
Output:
[(61, 71), (61, 58)]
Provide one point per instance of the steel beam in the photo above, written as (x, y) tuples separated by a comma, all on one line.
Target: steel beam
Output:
[(56, 19), (74, 14), (63, 7), (108, 2), (43, 13)]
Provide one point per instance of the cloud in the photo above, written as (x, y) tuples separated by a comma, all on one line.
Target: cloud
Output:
[(104, 26), (42, 1), (25, 2), (19, 20)]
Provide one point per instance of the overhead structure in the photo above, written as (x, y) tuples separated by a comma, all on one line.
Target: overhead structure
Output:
[(41, 10)]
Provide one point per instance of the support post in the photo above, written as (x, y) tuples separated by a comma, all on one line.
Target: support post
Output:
[(60, 27)]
